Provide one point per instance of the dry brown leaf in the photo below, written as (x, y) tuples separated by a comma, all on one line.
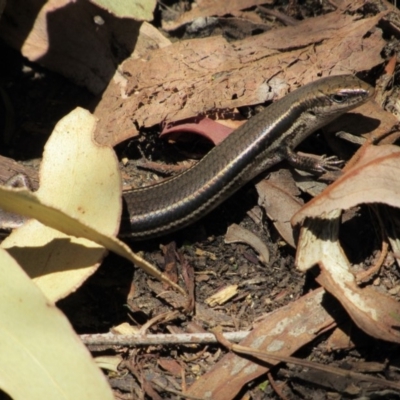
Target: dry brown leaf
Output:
[(340, 338), (308, 183), (237, 234), (349, 7), (170, 365), (375, 178), (208, 8), (375, 313), (204, 74), (280, 205), (282, 332)]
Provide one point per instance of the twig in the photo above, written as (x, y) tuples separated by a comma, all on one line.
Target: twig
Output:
[(282, 17), (109, 339), (339, 372)]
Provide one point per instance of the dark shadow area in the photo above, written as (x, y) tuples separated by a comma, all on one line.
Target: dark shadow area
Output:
[(60, 253), (36, 100), (354, 123), (100, 302), (33, 98)]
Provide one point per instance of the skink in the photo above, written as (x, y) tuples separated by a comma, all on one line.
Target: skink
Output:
[(264, 140)]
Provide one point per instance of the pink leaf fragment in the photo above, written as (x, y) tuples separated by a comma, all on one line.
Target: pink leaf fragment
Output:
[(206, 127)]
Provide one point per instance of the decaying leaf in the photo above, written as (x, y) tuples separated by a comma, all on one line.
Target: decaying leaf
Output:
[(237, 234), (209, 8), (281, 332), (277, 197), (375, 313), (375, 178), (211, 73)]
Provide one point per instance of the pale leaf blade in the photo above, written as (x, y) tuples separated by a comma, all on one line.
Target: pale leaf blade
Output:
[(40, 355)]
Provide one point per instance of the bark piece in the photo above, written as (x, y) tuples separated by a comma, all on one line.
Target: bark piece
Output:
[(9, 168), (208, 8), (191, 77), (282, 332)]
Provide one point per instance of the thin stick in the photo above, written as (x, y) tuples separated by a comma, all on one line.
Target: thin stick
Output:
[(109, 339)]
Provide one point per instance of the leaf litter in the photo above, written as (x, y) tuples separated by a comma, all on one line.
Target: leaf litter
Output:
[(185, 99)]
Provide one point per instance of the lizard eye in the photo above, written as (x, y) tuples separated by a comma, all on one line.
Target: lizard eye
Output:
[(339, 98)]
